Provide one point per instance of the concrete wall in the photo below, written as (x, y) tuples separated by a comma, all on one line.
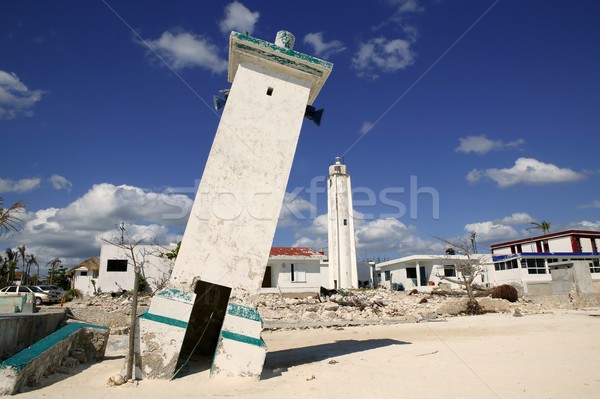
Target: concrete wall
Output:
[(19, 330), (17, 303), (86, 342)]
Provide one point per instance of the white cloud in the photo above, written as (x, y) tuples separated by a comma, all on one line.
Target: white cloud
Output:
[(293, 210), (526, 171), (73, 232), (593, 204), (238, 18), (381, 54), (366, 127), (15, 98), (406, 6), (322, 48), (585, 225), (516, 218), (373, 238), (491, 231), (187, 50), (59, 183), (482, 145), (19, 186)]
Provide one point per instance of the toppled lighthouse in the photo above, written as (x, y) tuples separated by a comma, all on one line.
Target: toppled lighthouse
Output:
[(209, 305)]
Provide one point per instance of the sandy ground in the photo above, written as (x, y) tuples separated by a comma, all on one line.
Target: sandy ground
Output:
[(490, 356)]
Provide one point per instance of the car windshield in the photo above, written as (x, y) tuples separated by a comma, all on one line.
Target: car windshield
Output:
[(35, 289), (46, 287)]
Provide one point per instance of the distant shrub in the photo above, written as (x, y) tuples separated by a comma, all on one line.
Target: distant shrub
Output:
[(505, 291)]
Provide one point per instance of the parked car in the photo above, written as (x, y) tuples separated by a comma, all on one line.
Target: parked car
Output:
[(40, 296), (52, 288)]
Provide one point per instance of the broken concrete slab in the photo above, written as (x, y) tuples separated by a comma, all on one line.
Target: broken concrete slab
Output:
[(27, 367)]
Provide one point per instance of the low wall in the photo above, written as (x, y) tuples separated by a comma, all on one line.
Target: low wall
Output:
[(20, 330), (17, 303), (67, 347)]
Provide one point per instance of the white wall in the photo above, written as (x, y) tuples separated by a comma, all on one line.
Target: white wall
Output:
[(155, 269), (310, 269), (84, 283), (433, 266), (506, 251), (586, 244), (560, 244)]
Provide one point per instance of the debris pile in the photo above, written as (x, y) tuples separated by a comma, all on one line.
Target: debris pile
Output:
[(366, 306)]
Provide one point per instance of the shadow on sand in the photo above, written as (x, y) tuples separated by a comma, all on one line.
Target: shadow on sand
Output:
[(279, 361)]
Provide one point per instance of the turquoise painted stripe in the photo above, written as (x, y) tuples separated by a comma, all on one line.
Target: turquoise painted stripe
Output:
[(243, 311), (21, 359), (242, 338), (176, 295), (164, 320)]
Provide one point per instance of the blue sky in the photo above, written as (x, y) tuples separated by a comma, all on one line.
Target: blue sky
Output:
[(452, 116)]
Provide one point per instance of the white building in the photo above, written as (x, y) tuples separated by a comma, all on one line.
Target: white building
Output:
[(340, 229), (295, 270), (116, 269), (424, 271), (84, 276), (528, 262), (289, 270)]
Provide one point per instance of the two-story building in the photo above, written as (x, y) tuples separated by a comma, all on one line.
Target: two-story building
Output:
[(530, 260)]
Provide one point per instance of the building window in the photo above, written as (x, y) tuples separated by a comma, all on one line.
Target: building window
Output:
[(595, 266), (116, 265), (83, 273), (508, 265), (449, 271), (345, 222), (298, 273), (388, 275), (534, 266), (269, 91), (411, 272)]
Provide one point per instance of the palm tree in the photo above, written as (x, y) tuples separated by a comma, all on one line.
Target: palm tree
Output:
[(31, 260), (9, 221), (11, 263), (543, 225), (21, 250), (53, 264)]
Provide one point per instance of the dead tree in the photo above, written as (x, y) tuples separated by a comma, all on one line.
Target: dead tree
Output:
[(467, 267), (132, 253)]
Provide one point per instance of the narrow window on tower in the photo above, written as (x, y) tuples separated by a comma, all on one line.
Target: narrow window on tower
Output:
[(345, 222), (269, 91)]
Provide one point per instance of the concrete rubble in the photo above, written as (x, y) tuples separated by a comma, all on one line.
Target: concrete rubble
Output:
[(280, 311)]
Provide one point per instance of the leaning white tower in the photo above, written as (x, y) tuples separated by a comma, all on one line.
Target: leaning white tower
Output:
[(342, 251), (209, 305)]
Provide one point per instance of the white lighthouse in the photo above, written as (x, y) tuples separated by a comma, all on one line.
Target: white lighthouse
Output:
[(209, 304), (342, 250)]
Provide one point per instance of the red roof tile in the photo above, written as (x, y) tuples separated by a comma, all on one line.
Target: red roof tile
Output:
[(295, 251)]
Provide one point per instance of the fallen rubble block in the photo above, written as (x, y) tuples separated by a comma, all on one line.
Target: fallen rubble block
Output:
[(59, 351)]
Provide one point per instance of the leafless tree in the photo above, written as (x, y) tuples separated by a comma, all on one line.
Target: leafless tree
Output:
[(466, 269), (133, 255)]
